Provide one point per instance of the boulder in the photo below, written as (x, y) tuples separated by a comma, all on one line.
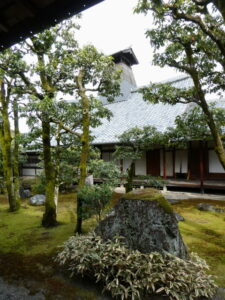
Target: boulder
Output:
[(179, 218), (24, 193), (209, 207), (146, 222), (173, 201), (37, 200)]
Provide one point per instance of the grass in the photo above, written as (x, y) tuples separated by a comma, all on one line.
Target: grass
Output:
[(22, 235), (204, 233)]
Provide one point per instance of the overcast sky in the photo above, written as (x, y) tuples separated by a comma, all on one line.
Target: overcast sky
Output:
[(111, 26)]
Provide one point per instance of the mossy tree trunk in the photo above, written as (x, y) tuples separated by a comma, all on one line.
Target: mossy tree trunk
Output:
[(6, 145), (85, 145), (218, 144), (16, 148), (130, 177), (49, 217), (57, 166)]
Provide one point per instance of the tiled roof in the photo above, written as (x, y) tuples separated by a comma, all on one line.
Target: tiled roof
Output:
[(135, 112)]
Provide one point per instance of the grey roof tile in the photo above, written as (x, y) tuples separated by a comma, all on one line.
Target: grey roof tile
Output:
[(135, 112)]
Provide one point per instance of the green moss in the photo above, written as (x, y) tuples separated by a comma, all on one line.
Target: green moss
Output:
[(149, 195), (203, 233), (21, 231)]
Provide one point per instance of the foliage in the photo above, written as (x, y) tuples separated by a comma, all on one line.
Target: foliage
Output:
[(94, 198), (131, 274), (153, 181), (39, 186), (134, 141), (59, 68), (107, 171), (132, 144), (187, 35), (192, 125)]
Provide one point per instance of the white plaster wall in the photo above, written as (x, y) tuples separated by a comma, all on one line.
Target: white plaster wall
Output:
[(214, 163), (126, 164), (140, 166), (28, 172), (181, 161)]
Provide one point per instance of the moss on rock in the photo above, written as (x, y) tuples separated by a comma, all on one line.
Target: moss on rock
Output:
[(150, 195)]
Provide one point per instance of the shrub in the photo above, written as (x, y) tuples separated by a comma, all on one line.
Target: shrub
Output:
[(94, 198), (39, 186), (107, 171), (131, 274), (156, 182)]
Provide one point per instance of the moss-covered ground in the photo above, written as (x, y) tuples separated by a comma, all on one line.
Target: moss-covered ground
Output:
[(26, 248), (204, 233)]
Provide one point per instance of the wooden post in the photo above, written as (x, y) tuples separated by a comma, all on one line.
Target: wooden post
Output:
[(121, 165), (201, 168), (174, 162), (164, 163), (189, 163)]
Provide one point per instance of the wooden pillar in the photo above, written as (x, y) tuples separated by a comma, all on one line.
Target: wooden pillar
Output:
[(189, 158), (174, 162), (164, 163), (121, 165), (201, 166)]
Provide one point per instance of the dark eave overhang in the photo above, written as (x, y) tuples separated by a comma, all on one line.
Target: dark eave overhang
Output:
[(127, 56), (20, 19)]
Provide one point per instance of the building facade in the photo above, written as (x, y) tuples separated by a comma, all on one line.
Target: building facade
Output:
[(198, 160)]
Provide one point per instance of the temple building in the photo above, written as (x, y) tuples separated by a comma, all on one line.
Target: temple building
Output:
[(197, 161)]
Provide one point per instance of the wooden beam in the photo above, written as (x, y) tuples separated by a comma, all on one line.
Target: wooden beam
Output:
[(50, 15), (30, 7), (3, 27)]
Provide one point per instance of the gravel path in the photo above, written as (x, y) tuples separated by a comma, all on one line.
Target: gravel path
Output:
[(12, 292)]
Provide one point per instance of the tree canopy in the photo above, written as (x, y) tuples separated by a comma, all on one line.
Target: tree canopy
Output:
[(189, 35)]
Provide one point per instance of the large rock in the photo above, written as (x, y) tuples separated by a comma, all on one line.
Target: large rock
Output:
[(37, 200), (146, 221), (24, 193), (208, 207)]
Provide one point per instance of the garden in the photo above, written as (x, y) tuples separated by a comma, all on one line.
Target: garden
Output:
[(29, 250)]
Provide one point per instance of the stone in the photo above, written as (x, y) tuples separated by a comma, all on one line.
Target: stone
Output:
[(147, 223), (24, 193), (37, 200), (178, 217), (220, 295), (89, 180), (173, 201), (209, 207)]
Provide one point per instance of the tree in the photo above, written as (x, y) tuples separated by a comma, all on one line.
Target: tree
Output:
[(86, 72), (9, 143), (96, 73), (132, 144), (192, 125), (189, 36), (50, 53)]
